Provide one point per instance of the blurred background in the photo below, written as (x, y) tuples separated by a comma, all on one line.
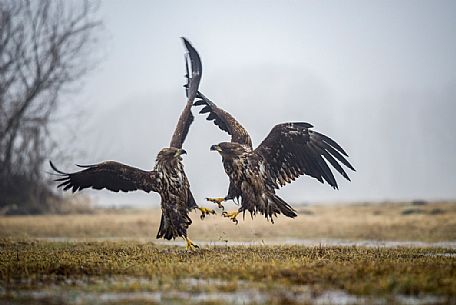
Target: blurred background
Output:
[(377, 77)]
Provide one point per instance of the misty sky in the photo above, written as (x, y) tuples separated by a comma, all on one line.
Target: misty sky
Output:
[(378, 77)]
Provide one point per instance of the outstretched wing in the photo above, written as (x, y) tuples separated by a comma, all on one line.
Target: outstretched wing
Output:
[(186, 117), (111, 175), (292, 149), (224, 121)]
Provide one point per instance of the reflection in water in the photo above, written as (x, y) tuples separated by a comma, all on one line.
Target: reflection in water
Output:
[(195, 291)]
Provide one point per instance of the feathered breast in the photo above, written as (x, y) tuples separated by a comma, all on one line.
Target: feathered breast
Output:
[(173, 178)]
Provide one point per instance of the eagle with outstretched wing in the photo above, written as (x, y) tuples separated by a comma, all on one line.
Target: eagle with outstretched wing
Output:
[(289, 151), (167, 177)]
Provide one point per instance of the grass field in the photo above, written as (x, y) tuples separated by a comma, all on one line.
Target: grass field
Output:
[(114, 259), (431, 222)]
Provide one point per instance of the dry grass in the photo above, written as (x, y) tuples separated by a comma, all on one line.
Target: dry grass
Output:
[(430, 222), (27, 264), (83, 272)]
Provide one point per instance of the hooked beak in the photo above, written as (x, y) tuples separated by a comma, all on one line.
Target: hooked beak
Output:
[(181, 152), (216, 148)]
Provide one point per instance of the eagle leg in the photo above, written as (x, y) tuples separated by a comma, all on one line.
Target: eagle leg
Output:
[(190, 245), (232, 215), (205, 212), (217, 200)]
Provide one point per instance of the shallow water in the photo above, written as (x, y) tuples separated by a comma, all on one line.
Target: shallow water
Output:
[(195, 291), (105, 291)]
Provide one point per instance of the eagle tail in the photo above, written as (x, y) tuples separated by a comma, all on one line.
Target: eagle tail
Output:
[(282, 206), (174, 223)]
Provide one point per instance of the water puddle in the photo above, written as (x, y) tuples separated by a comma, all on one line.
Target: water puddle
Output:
[(196, 291)]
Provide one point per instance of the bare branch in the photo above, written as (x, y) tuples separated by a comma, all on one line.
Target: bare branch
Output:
[(44, 47)]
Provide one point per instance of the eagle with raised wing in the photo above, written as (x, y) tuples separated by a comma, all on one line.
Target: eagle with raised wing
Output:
[(289, 151), (167, 177)]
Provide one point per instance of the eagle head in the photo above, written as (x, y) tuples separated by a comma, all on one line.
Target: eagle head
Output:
[(228, 149), (170, 154)]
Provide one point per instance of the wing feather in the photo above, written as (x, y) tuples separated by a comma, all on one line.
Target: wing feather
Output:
[(333, 162), (183, 126), (196, 67), (186, 118), (111, 175), (224, 121), (292, 149)]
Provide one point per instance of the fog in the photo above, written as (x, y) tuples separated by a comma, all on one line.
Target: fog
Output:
[(377, 77)]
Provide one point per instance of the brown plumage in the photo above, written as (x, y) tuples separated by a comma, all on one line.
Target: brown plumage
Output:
[(166, 178), (289, 151), (186, 118), (224, 121)]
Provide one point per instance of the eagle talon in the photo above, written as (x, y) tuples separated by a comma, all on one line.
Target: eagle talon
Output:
[(232, 215), (218, 201), (190, 245), (205, 212)]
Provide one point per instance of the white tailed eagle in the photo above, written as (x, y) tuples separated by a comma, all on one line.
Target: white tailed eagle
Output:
[(289, 151), (167, 177)]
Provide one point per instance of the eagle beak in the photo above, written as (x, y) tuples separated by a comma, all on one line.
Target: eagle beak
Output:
[(216, 148), (181, 152)]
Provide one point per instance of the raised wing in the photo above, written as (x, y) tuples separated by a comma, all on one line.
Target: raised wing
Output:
[(111, 175), (291, 150), (224, 121), (183, 126), (186, 117), (196, 68)]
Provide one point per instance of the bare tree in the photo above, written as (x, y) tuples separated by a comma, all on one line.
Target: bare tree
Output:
[(45, 48)]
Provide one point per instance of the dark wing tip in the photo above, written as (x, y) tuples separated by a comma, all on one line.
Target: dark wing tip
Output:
[(85, 166), (189, 46), (194, 56), (303, 125), (199, 103), (56, 169), (64, 179), (196, 70), (185, 41), (332, 143)]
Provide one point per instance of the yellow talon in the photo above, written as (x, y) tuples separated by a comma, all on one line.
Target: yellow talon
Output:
[(217, 200), (232, 215), (190, 245), (206, 211)]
